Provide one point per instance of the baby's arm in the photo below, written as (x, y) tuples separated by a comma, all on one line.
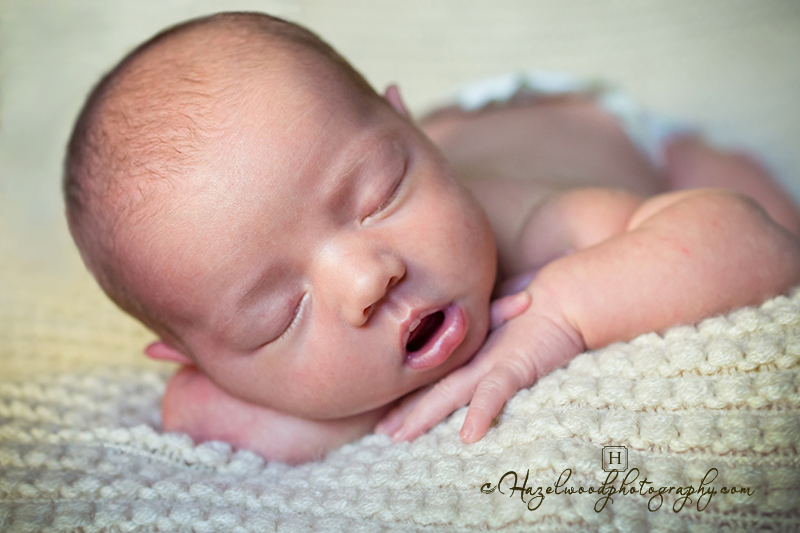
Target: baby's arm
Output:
[(194, 405), (678, 257), (683, 256)]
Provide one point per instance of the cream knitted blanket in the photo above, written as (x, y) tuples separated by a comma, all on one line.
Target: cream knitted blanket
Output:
[(711, 407), (80, 449)]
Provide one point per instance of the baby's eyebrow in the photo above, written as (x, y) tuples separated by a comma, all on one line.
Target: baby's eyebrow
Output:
[(375, 151), (267, 277), (347, 173)]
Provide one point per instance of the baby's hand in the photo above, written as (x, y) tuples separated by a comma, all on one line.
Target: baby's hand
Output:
[(529, 338), (193, 405)]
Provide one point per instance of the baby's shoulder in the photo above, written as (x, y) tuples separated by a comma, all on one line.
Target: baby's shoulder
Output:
[(509, 203), (535, 223)]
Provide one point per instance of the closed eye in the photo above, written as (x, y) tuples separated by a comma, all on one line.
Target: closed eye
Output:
[(391, 195), (295, 319)]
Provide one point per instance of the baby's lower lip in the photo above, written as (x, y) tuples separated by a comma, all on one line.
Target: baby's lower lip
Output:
[(443, 343)]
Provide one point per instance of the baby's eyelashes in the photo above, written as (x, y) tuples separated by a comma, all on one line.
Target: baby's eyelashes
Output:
[(294, 320), (387, 202)]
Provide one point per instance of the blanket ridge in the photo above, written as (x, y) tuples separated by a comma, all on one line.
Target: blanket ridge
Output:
[(82, 451)]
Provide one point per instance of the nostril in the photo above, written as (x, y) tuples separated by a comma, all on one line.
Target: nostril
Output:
[(369, 310), (394, 280)]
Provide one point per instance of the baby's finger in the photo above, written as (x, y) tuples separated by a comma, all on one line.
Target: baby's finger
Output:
[(446, 396), (514, 285), (493, 391), (393, 420), (504, 309)]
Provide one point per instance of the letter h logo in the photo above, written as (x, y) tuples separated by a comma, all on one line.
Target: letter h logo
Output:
[(615, 458)]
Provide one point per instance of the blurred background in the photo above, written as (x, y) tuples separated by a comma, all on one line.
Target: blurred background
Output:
[(728, 66)]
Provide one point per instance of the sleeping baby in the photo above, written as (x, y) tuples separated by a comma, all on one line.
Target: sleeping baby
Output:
[(322, 267)]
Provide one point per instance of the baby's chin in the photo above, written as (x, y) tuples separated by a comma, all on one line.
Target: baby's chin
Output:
[(464, 352)]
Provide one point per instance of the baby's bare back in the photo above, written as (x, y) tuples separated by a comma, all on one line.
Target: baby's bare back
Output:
[(525, 160), (557, 143)]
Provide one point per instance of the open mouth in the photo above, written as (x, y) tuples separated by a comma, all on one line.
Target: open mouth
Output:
[(424, 331), (434, 337)]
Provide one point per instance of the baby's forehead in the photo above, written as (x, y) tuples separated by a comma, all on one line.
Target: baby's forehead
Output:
[(186, 127), (276, 178), (187, 93)]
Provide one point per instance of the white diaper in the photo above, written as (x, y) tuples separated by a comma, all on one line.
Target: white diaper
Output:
[(648, 132)]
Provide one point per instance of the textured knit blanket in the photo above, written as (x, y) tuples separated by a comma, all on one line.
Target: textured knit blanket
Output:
[(702, 425), (80, 444)]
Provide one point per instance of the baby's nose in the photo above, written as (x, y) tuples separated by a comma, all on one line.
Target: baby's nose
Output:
[(358, 277), (370, 283)]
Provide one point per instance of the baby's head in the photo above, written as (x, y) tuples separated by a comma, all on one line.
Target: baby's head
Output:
[(239, 188)]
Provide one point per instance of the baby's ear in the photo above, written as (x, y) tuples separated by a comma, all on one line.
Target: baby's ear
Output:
[(159, 350), (392, 95)]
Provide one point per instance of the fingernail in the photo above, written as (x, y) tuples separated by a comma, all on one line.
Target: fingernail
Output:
[(523, 297), (399, 435), (388, 426), (466, 433)]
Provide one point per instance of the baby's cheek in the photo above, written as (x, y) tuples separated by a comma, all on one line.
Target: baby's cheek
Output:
[(334, 381)]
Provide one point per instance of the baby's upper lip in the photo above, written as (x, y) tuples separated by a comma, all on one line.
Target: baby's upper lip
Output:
[(413, 320)]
